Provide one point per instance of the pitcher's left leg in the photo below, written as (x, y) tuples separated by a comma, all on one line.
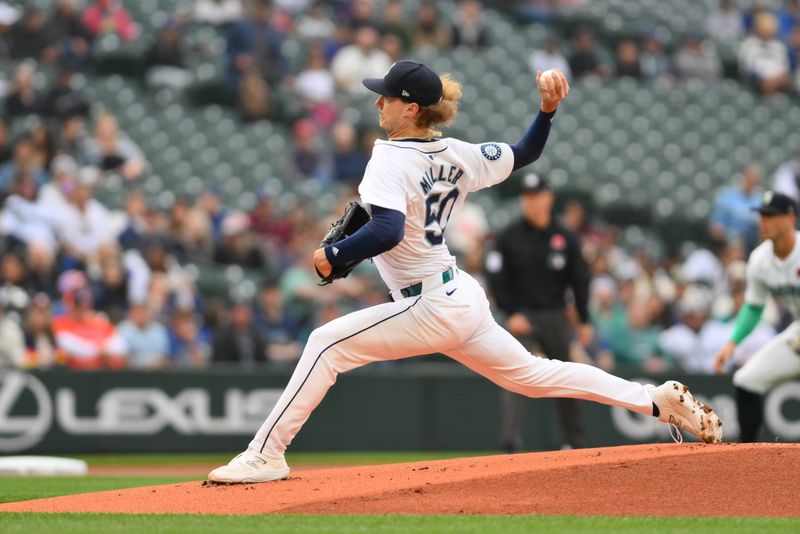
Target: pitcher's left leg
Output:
[(497, 355)]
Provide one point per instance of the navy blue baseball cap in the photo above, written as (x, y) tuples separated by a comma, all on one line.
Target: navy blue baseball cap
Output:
[(409, 81), (773, 203)]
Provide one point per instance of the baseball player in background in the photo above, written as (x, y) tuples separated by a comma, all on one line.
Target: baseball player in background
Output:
[(772, 269), (414, 182)]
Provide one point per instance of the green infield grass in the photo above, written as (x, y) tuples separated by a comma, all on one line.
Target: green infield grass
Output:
[(299, 524)]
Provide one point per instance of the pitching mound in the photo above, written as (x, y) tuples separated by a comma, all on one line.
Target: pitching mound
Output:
[(722, 480)]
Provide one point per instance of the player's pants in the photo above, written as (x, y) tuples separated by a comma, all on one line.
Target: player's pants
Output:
[(773, 363), (453, 319)]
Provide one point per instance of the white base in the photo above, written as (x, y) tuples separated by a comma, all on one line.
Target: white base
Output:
[(41, 466)]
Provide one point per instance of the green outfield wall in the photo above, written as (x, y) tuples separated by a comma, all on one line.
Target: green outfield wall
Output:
[(390, 406)]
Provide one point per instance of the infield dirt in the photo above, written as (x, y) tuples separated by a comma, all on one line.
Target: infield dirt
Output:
[(686, 479)]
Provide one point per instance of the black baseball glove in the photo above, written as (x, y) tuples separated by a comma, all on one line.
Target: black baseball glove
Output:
[(354, 217)]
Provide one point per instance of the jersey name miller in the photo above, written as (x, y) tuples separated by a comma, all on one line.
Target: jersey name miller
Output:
[(431, 176), (784, 291)]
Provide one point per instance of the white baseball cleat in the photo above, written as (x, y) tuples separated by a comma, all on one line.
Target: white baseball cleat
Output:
[(680, 409), (250, 467)]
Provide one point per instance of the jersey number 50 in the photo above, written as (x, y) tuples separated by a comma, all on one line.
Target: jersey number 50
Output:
[(435, 210)]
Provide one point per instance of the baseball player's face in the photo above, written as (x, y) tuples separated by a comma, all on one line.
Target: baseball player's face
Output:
[(775, 226), (392, 112)]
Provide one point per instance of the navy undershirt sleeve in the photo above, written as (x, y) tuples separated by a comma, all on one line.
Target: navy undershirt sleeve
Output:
[(530, 147), (383, 232)]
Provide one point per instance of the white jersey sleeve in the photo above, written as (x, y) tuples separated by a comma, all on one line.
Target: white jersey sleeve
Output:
[(757, 292), (489, 163), (383, 186)]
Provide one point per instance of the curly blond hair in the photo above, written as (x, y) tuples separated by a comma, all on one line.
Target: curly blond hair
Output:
[(443, 112)]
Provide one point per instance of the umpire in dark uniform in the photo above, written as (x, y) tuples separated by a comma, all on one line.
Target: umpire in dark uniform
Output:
[(535, 262)]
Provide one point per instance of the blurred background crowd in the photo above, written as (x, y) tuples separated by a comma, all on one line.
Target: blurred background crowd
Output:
[(167, 172)]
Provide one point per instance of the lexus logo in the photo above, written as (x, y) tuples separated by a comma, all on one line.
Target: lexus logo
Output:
[(22, 431)]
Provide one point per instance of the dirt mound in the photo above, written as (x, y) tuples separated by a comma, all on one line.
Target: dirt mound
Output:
[(718, 480)]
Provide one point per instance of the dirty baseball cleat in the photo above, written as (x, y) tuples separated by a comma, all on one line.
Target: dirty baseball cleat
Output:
[(250, 467), (681, 410)]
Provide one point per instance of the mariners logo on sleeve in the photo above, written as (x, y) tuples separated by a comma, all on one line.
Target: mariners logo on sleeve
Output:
[(491, 151)]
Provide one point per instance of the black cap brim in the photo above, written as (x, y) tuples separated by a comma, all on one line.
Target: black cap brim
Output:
[(768, 211), (376, 85)]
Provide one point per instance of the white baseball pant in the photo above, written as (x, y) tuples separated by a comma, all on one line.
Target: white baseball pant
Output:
[(773, 363), (452, 318)]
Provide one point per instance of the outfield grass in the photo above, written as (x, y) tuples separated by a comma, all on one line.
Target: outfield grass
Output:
[(26, 488), (292, 524), (296, 458)]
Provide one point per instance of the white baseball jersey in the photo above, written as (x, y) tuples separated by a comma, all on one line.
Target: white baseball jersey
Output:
[(768, 275), (427, 181)]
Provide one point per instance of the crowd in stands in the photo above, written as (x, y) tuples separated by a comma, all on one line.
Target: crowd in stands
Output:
[(92, 285)]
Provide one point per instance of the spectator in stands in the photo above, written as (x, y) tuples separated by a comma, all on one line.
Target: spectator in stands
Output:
[(165, 62), (28, 220), (63, 101), (113, 151), (210, 204), (653, 62), (72, 39), (147, 339), (787, 177), (110, 292), (362, 59), (23, 98), (361, 13), (89, 341), (55, 194), (108, 16), (274, 231), (733, 218), (763, 58), (188, 347), (394, 23), (793, 45), (429, 30), (724, 23), (43, 144), (217, 12), (254, 50), (689, 343), (549, 57), (40, 341), (695, 59), (636, 342), (308, 160), (16, 284), (315, 24), (392, 46), (584, 60), (277, 325), (12, 340), (30, 37), (189, 231), (469, 27), (627, 61), (84, 225), (317, 87), (349, 161), (5, 144), (170, 287), (240, 341), (71, 138), (788, 18), (238, 246), (23, 163)]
